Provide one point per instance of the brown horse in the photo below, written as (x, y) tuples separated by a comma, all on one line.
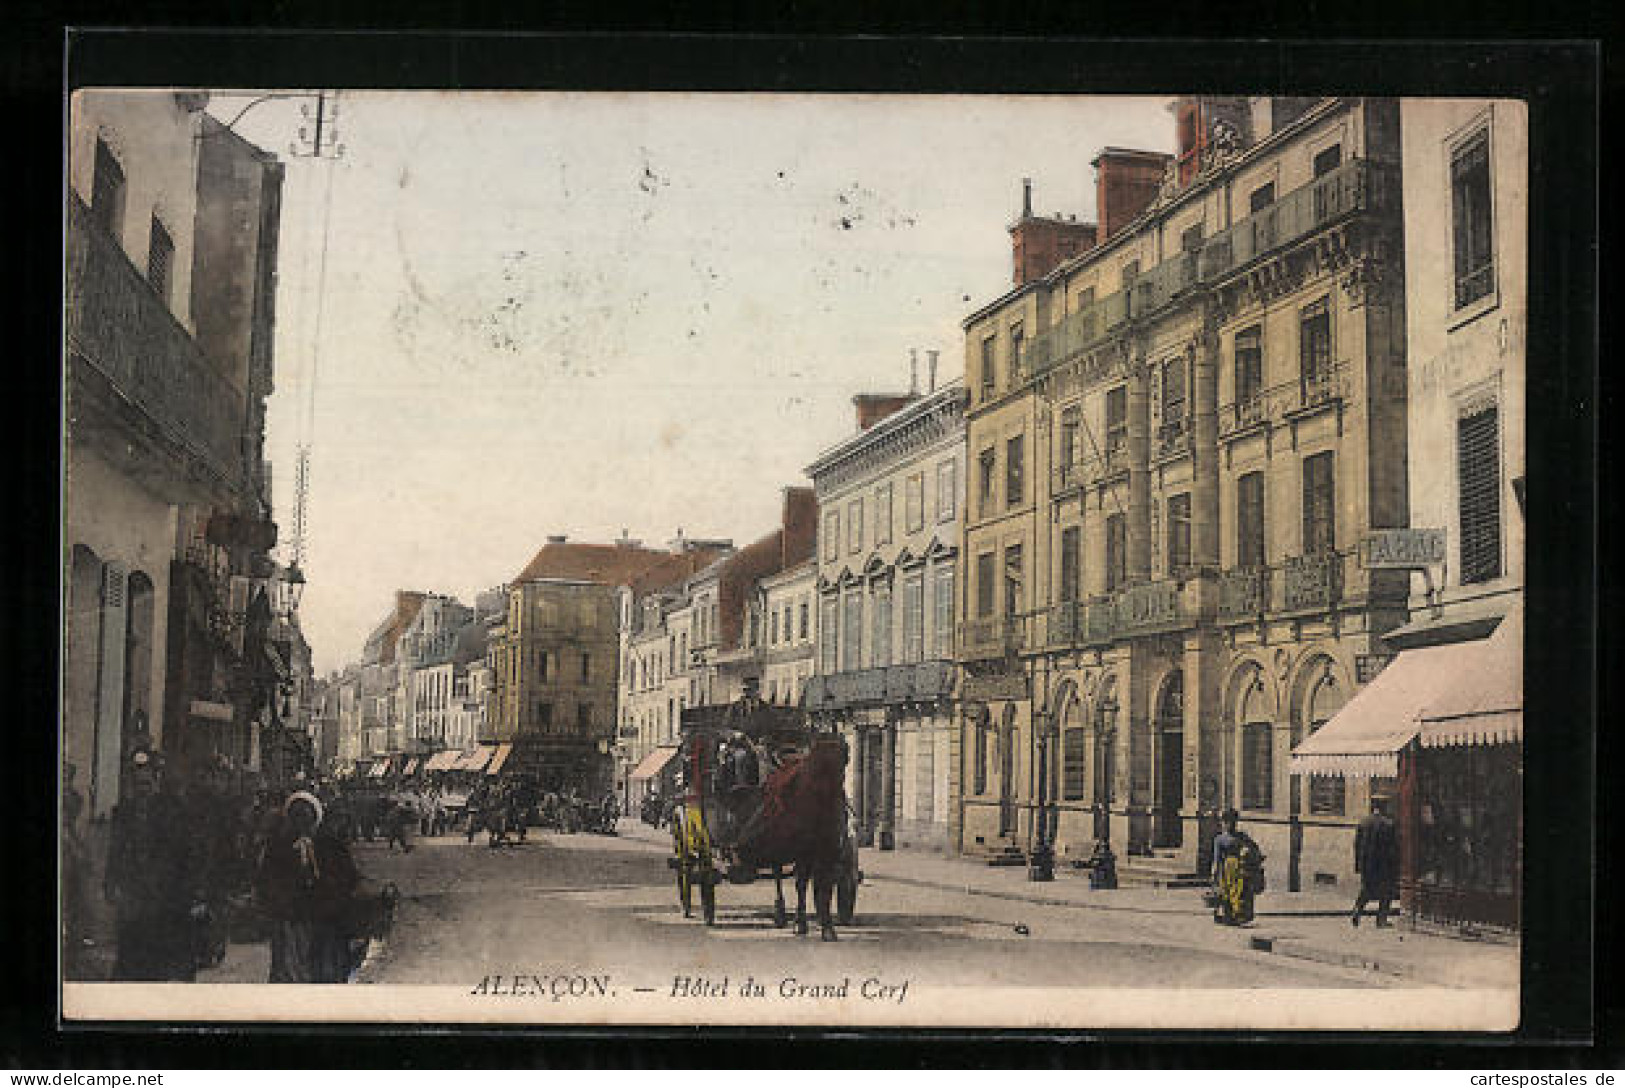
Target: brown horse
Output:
[(803, 823)]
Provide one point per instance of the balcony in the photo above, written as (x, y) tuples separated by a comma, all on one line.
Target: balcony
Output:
[(1311, 583), (1143, 609), (1164, 283), (891, 685), (1243, 594), (1173, 439), (1067, 623), (127, 335), (1309, 393), (1306, 209), (989, 637), (1322, 388), (1077, 332)]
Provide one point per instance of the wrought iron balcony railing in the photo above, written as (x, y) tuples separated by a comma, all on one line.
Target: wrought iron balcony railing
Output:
[(1243, 594), (1311, 582)]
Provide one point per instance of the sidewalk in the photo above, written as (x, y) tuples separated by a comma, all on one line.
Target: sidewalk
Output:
[(1303, 925)]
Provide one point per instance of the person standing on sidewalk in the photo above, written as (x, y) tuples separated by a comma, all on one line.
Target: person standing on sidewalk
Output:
[(1376, 859), (153, 879), (1238, 866)]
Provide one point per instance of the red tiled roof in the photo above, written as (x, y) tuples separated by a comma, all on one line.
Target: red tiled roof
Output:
[(605, 564), (675, 569)]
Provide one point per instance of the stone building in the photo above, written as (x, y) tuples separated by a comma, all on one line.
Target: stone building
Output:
[(1445, 716), (788, 628), (1176, 442), (890, 503)]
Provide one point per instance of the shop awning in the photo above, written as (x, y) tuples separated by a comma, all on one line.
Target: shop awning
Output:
[(477, 759), (443, 761), (379, 769), (652, 764), (499, 758), (1484, 703), (411, 765), (1364, 738)]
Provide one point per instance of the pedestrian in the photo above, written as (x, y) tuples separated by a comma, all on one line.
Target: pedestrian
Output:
[(1376, 859), (1238, 870), (306, 884), (152, 879), (398, 819)]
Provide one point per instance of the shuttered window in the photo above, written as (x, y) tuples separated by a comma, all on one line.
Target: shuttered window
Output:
[(1069, 564), (1471, 223), (160, 259), (1249, 365), (1116, 552), (943, 612), (1315, 342), (1319, 505), (1179, 533), (1257, 767), (828, 632), (1250, 521), (914, 617), (852, 633), (1478, 459), (881, 643)]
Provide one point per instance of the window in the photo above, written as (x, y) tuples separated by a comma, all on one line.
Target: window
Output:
[(984, 477), (1261, 198), (1131, 273), (1328, 160), (1326, 792), (544, 715), (942, 618), (107, 191), (583, 718), (1086, 297), (1471, 219), (832, 535), (1249, 369), (989, 379), (1012, 581), (586, 667), (160, 259), (883, 514), (947, 491), (1315, 344), (914, 617), (1018, 359), (1116, 552), (854, 525), (984, 584), (804, 620), (1117, 418), (914, 502), (1014, 471), (1478, 461), (880, 643), (1319, 505), (1069, 564), (852, 633), (1257, 765), (828, 628), (1173, 393), (540, 662), (980, 768), (1250, 521), (1190, 239), (1073, 765), (773, 625), (1179, 533)]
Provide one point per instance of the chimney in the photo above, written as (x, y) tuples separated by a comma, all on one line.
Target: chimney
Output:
[(874, 407), (913, 372), (931, 370), (1126, 182)]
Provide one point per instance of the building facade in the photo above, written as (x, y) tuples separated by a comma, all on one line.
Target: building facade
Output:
[(1176, 442), (890, 508), (788, 626)]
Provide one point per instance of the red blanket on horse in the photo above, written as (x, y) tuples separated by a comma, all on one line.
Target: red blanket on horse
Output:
[(803, 807)]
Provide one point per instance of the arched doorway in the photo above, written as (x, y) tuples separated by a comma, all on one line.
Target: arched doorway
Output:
[(1007, 772), (1170, 754), (1324, 698), (1255, 731)]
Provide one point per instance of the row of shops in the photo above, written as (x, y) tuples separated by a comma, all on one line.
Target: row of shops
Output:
[(485, 759)]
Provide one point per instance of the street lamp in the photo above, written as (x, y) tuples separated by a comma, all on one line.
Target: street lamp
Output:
[(1041, 866), (293, 588)]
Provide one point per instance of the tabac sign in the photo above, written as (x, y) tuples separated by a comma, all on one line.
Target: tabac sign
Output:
[(1402, 549)]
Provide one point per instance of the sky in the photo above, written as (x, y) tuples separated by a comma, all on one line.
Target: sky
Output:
[(504, 316)]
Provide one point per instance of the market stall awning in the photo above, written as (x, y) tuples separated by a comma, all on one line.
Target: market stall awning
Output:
[(1364, 738), (1483, 704), (477, 759), (379, 769), (411, 765), (499, 758), (652, 764), (443, 761)]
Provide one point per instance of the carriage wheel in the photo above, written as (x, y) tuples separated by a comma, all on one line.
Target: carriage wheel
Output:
[(708, 899)]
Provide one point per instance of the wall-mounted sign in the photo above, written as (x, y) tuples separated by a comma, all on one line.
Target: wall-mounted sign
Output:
[(1402, 549)]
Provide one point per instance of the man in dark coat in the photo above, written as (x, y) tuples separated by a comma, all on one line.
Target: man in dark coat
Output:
[(154, 879), (1376, 859)]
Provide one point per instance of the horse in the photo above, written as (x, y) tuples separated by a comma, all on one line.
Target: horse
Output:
[(804, 820)]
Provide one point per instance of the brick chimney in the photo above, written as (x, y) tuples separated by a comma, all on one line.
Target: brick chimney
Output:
[(1126, 182), (800, 525), (874, 407), (1039, 243)]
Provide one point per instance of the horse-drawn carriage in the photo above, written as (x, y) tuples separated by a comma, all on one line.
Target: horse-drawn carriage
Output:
[(762, 794)]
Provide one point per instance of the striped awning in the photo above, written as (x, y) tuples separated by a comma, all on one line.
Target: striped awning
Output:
[(477, 759), (379, 769), (443, 761), (652, 764), (498, 758), (411, 765), (1484, 704)]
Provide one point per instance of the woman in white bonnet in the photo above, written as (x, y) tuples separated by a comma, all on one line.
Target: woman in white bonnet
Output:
[(307, 878)]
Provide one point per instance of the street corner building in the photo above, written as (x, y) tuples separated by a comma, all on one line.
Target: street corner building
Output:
[(178, 634), (1186, 423), (889, 501)]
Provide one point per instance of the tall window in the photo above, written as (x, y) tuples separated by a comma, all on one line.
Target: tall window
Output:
[(1326, 792), (1261, 198), (1190, 239), (1173, 392), (1131, 273), (852, 633), (544, 715), (1179, 533), (1249, 365), (1068, 452), (1074, 765), (914, 502), (1012, 581), (1315, 343), (984, 584), (1478, 464), (1319, 505), (1117, 417), (854, 525), (947, 491), (1116, 552), (1018, 354), (583, 718), (832, 535), (1257, 765), (1250, 521), (1069, 564), (107, 191), (803, 620), (1471, 223), (880, 643), (541, 664), (773, 628), (1014, 471), (883, 521), (989, 377), (160, 259), (979, 770), (914, 617), (1328, 160), (828, 630), (942, 612), (984, 481), (586, 667)]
